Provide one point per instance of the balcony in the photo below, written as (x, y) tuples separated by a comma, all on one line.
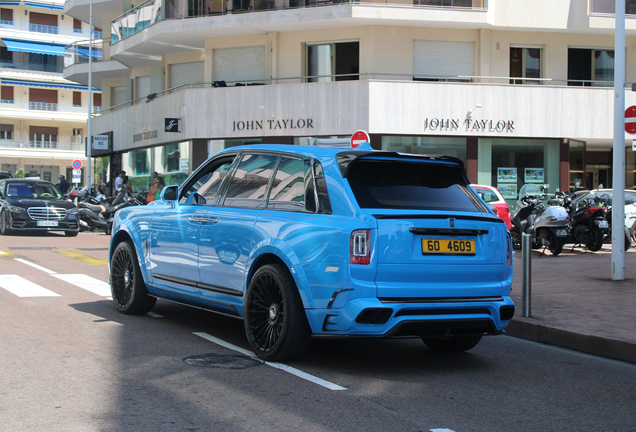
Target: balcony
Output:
[(42, 145), (49, 30), (77, 53), (31, 66), (47, 106), (154, 11)]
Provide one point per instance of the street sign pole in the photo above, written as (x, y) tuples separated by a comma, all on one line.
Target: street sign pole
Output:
[(618, 177)]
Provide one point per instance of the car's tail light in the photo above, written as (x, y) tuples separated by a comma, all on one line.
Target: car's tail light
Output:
[(509, 252), (360, 252)]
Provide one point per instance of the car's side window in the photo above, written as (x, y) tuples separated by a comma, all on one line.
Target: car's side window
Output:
[(288, 187), (209, 181), (248, 185)]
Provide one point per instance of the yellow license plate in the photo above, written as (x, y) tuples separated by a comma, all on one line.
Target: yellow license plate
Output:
[(447, 246)]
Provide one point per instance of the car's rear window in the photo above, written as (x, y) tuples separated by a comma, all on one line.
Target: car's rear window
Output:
[(486, 194), (411, 185)]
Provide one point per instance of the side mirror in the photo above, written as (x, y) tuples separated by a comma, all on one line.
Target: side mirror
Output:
[(170, 193)]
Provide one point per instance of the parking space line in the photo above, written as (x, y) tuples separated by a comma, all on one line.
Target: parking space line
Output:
[(23, 261), (86, 282), (154, 315), (87, 259), (24, 288), (281, 366)]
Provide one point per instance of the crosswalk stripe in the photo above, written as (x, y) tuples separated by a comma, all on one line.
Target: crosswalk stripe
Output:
[(39, 267), (86, 282), (24, 288)]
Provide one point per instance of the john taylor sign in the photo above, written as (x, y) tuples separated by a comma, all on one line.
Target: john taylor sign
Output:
[(468, 125)]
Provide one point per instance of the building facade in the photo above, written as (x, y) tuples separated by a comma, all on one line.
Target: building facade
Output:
[(42, 114), (521, 91)]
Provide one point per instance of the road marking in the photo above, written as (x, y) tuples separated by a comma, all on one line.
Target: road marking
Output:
[(441, 430), (2, 253), (82, 257), (154, 314), (23, 261), (283, 367), (86, 282), (24, 288)]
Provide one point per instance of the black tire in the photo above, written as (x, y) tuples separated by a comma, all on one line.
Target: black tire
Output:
[(515, 234), (556, 244), (596, 239), (452, 343), (4, 228), (130, 294), (275, 322), (109, 229), (71, 233), (628, 239)]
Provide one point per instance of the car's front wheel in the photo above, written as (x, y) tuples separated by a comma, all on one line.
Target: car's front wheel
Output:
[(275, 322), (71, 233), (4, 223), (130, 294), (452, 343)]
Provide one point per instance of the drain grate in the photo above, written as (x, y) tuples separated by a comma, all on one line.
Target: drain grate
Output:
[(222, 361), (32, 248)]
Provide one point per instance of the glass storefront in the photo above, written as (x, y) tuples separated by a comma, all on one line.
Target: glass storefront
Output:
[(426, 145), (172, 163), (137, 165), (514, 165), (577, 165)]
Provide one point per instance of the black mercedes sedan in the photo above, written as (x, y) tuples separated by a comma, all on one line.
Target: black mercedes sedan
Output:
[(35, 205)]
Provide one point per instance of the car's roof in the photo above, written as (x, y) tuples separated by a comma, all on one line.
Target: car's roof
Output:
[(25, 180)]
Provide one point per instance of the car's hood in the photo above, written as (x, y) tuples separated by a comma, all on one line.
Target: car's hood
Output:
[(31, 202)]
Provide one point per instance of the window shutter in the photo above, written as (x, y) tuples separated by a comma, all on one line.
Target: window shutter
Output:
[(239, 64), (186, 73), (440, 59), (118, 96)]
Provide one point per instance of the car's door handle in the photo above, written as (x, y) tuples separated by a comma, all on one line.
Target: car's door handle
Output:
[(203, 219)]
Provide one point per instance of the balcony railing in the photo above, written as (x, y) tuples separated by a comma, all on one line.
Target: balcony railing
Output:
[(47, 106), (153, 11), (46, 145), (40, 28), (39, 67), (77, 53), (405, 78)]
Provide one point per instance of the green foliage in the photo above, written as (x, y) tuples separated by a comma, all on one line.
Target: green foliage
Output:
[(19, 173)]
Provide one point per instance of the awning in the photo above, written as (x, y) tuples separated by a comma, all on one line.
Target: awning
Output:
[(44, 6), (5, 81), (9, 3), (34, 47)]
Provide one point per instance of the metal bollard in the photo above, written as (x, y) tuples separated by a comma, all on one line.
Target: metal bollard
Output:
[(526, 287)]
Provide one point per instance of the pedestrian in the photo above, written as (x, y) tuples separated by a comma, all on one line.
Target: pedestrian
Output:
[(125, 184), (119, 180), (155, 190), (63, 184)]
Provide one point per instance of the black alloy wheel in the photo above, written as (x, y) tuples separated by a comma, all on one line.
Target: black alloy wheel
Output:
[(516, 238), (596, 239), (452, 343), (130, 294), (275, 322)]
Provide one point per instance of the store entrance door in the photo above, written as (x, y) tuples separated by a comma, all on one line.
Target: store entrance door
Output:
[(597, 175)]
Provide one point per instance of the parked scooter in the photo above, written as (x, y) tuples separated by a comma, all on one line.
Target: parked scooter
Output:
[(588, 224), (547, 225), (627, 228)]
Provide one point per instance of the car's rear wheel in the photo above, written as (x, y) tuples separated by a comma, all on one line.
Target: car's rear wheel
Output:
[(275, 322), (130, 294), (4, 223), (452, 343)]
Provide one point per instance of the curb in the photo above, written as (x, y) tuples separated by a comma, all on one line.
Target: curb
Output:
[(526, 328)]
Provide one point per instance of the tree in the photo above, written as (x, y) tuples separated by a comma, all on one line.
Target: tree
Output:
[(19, 173)]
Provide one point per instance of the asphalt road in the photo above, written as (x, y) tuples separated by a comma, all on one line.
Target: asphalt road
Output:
[(70, 361)]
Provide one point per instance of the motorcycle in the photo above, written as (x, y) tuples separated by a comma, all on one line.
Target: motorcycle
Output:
[(588, 224), (630, 220), (96, 213), (547, 225)]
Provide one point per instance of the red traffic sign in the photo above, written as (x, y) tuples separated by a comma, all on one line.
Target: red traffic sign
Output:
[(359, 137), (630, 120), (77, 164)]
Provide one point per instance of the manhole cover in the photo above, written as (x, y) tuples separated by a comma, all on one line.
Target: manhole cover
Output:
[(32, 248), (222, 361)]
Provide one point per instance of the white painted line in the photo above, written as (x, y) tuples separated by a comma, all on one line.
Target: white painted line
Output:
[(283, 367), (45, 270), (86, 282), (2, 253), (441, 430), (153, 314), (23, 288)]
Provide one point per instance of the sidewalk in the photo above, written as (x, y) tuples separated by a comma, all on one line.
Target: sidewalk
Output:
[(576, 305)]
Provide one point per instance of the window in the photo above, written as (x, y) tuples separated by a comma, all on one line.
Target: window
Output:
[(118, 96), (288, 187), (6, 131), (6, 56), (525, 63), (443, 61), (333, 62), (77, 25), (7, 94), (209, 183), (77, 99), (240, 64), (6, 15), (590, 67), (43, 137), (42, 99), (44, 23), (143, 86), (44, 62), (608, 6), (77, 132), (451, 3), (249, 182)]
